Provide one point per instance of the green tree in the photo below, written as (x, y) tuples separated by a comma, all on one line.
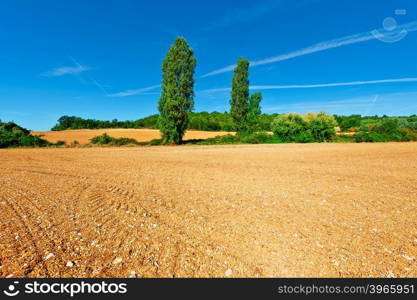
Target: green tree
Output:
[(239, 103), (254, 111), (177, 96)]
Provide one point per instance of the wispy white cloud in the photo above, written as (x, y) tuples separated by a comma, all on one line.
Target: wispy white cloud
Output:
[(335, 43), (395, 103), (140, 91), (98, 85), (321, 85), (76, 70), (95, 82), (66, 71)]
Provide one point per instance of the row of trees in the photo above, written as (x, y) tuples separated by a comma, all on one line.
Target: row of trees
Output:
[(356, 123), (72, 122), (214, 121)]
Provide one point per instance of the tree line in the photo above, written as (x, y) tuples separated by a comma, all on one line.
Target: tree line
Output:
[(214, 121)]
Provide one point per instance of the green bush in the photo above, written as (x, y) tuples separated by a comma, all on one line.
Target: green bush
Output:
[(256, 138), (304, 129), (155, 142), (124, 141), (387, 130), (387, 126), (321, 126), (105, 139), (289, 127), (224, 139)]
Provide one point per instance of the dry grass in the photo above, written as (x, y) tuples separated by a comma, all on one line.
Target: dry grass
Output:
[(326, 210), (83, 136)]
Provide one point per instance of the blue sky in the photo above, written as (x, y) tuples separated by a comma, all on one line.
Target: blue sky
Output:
[(102, 59)]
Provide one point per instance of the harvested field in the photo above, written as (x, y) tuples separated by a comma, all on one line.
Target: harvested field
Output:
[(83, 136), (314, 210)]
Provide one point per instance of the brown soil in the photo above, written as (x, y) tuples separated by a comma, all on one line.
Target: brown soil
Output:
[(316, 210), (83, 136)]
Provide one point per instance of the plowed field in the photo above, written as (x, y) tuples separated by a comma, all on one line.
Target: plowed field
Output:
[(315, 210)]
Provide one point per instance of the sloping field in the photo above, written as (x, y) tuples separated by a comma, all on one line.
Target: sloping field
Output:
[(83, 136), (331, 210)]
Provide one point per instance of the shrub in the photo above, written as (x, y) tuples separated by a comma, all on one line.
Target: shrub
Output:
[(220, 140), (389, 129), (105, 139), (256, 138), (386, 126), (369, 137), (321, 126), (305, 129), (289, 127), (155, 142)]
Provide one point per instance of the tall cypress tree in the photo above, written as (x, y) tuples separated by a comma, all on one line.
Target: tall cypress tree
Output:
[(239, 103), (177, 96)]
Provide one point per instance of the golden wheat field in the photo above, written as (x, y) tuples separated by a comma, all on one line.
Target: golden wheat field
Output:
[(313, 210), (83, 136)]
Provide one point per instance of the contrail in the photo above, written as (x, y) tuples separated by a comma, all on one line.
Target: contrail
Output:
[(95, 82), (335, 43), (322, 85), (135, 92), (352, 83)]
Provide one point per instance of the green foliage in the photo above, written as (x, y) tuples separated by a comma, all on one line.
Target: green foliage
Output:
[(256, 138), (291, 128), (241, 138), (239, 102), (155, 142), (386, 126), (367, 123), (321, 126), (67, 122), (304, 129), (177, 91), (214, 121), (102, 139), (12, 135), (254, 111), (346, 123), (220, 140), (105, 139), (387, 130)]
